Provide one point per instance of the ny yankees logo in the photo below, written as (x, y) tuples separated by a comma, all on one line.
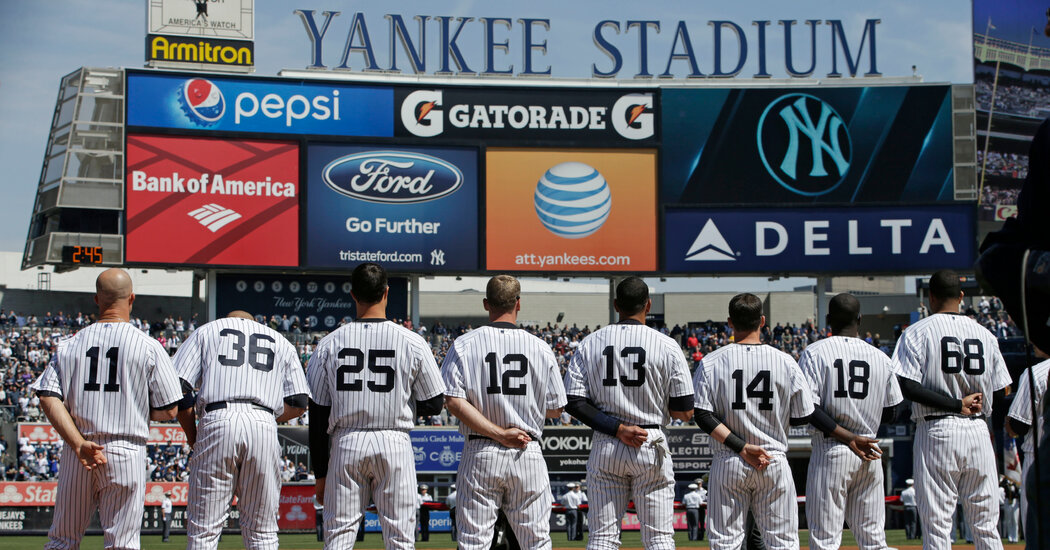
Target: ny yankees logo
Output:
[(437, 257), (804, 116)]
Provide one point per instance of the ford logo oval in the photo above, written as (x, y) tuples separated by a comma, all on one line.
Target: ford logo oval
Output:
[(392, 177)]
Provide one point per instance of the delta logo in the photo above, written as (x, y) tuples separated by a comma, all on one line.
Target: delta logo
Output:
[(202, 101)]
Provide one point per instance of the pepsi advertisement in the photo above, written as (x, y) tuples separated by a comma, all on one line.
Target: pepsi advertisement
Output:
[(867, 239), (411, 209), (308, 302), (189, 102), (886, 144), (437, 451)]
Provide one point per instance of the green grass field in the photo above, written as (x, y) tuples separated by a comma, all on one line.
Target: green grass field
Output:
[(894, 538)]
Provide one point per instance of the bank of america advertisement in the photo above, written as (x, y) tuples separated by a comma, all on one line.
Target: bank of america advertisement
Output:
[(882, 144), (566, 210), (867, 239), (408, 208), (205, 201), (192, 102)]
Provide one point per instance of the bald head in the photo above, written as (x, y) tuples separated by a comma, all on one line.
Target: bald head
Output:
[(240, 314), (112, 285)]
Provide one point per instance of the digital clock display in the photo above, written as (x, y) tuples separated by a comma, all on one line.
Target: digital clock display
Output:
[(84, 255)]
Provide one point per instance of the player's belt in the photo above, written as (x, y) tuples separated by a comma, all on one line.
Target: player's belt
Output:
[(650, 427), (930, 417), (476, 437), (223, 404)]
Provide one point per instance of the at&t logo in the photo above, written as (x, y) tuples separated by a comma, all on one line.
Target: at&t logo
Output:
[(804, 144)]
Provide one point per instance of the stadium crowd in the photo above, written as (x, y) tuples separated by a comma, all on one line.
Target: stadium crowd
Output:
[(1007, 165), (1012, 96), (27, 342)]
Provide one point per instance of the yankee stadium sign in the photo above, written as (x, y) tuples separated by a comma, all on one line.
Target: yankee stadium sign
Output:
[(665, 40)]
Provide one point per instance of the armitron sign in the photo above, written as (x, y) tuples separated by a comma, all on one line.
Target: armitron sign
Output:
[(193, 49)]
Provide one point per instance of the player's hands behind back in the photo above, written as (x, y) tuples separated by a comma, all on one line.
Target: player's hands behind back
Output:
[(515, 438), (632, 436), (756, 456), (866, 448), (90, 455), (972, 404)]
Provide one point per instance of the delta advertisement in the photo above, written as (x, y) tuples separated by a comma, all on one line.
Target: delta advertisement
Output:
[(408, 208), (238, 104), (306, 302), (865, 239), (566, 210), (884, 144), (202, 201), (594, 115)]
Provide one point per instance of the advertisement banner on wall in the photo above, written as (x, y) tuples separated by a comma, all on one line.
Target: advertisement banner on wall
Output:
[(241, 104), (196, 49), (867, 239), (566, 450), (202, 201), (308, 302), (233, 19), (885, 144), (437, 450), (407, 208), (589, 116), (566, 210)]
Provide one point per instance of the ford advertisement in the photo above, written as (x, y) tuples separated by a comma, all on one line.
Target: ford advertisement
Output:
[(411, 209), (190, 102)]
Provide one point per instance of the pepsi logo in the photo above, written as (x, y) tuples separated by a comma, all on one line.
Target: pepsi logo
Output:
[(202, 101), (392, 177), (572, 200)]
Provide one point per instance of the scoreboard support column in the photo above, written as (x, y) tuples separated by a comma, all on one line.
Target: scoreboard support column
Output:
[(822, 302), (413, 282)]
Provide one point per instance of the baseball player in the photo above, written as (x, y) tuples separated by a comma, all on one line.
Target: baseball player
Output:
[(424, 512), (626, 381), (854, 383), (693, 502), (911, 513), (501, 382), (244, 372), (450, 501), (165, 517), (946, 364), (100, 390), (572, 501), (370, 379), (1019, 421), (758, 391)]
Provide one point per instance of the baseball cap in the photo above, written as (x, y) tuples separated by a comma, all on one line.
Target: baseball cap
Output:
[(571, 484), (909, 481), (693, 486), (453, 486), (424, 486)]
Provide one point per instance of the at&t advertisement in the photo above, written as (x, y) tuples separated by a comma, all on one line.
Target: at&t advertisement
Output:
[(410, 209), (571, 210)]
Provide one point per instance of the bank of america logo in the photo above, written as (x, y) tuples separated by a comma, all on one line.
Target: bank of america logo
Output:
[(214, 216), (710, 245)]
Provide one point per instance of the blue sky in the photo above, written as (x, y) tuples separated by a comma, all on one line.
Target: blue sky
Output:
[(46, 39)]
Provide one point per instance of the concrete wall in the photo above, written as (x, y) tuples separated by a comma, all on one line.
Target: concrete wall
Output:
[(782, 307), (39, 302), (583, 309)]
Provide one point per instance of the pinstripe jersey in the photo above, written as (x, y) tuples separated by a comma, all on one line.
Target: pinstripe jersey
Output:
[(234, 359), (371, 372), (629, 371), (852, 380), (1021, 409), (109, 375), (507, 374), (952, 354), (756, 389)]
